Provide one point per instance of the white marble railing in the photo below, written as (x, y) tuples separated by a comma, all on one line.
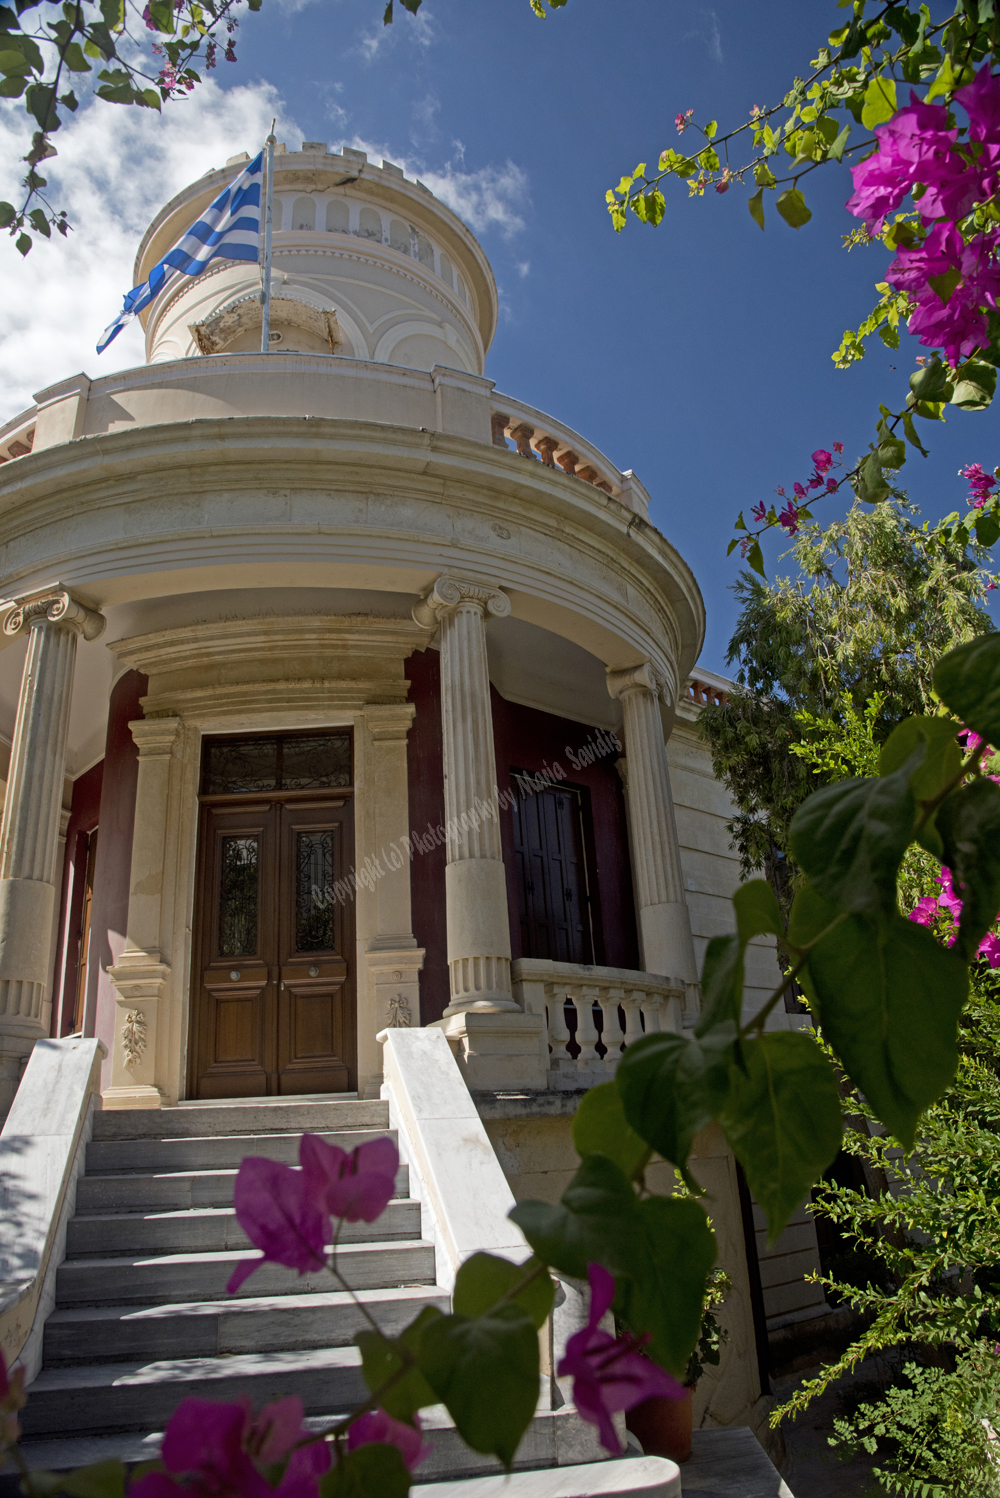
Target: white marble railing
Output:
[(539, 437), (592, 1013)]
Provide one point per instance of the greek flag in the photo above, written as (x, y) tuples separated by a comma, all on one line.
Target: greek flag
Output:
[(230, 228)]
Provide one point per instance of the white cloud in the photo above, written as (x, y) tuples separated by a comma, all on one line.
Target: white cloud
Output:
[(418, 29), (116, 167), (708, 31), (523, 268)]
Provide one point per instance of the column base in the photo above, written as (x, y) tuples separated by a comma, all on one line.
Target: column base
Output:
[(496, 1050), (139, 1096), (15, 1048)]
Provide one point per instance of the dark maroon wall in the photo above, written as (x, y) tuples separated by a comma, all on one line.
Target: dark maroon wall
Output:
[(83, 818), (112, 872), (425, 763), (527, 739)]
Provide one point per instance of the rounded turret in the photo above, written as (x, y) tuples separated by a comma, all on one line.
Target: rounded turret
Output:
[(366, 264)]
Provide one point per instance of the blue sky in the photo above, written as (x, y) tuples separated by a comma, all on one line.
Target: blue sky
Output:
[(697, 354)]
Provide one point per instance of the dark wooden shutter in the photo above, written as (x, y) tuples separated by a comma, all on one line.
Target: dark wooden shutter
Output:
[(551, 874)]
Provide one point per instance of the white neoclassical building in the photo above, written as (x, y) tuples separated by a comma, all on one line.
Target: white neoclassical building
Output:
[(341, 692)]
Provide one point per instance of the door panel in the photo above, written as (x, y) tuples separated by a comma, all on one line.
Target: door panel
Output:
[(273, 1004), (551, 874)]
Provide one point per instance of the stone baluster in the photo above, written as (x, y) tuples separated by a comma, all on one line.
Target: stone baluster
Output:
[(664, 921), (612, 1035), (632, 1007), (546, 447), (54, 621), (650, 1004), (499, 421), (568, 460), (475, 883), (522, 435), (561, 1060), (586, 1031)]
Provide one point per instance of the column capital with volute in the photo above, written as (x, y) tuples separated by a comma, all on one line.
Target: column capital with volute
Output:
[(450, 593), (647, 676), (55, 604)]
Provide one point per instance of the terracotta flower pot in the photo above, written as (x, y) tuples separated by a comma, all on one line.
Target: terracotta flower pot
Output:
[(663, 1426)]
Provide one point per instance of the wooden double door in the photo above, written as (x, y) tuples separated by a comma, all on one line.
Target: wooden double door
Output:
[(553, 887), (273, 990)]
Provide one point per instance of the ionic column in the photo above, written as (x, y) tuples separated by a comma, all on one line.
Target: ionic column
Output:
[(53, 621), (475, 885), (664, 922)]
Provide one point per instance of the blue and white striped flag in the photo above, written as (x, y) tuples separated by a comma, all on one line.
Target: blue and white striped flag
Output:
[(230, 228)]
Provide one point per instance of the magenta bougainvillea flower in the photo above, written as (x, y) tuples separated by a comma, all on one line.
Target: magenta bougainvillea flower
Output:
[(915, 146), (12, 1399), (280, 1216), (950, 315), (822, 459), (610, 1374), (980, 484), (378, 1427), (356, 1185), (213, 1450)]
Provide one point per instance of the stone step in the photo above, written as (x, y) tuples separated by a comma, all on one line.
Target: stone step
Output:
[(208, 1151), (102, 1397), (171, 1191), (256, 1116), (163, 1278), (210, 1230), (555, 1438), (281, 1323)]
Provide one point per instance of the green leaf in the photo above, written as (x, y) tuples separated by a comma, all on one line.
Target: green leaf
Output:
[(763, 175), (942, 756), (74, 59), (870, 486), (372, 1471), (600, 1127), (721, 983), (969, 824), (783, 1120), (987, 529), (671, 1087), (756, 559), (22, 243), (756, 206), (850, 838), (757, 911), (382, 1359), (792, 207), (892, 451), (8, 213), (967, 680), (674, 1250), (931, 383), (592, 1222), (40, 101), (911, 434), (102, 1480), (12, 88), (708, 159), (880, 102), (14, 62), (837, 149), (484, 1279), (975, 385), (486, 1373), (888, 999)]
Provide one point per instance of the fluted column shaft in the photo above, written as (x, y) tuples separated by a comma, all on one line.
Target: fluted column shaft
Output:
[(475, 883), (29, 840), (664, 922)]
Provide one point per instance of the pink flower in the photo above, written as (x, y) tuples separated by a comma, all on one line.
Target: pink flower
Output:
[(759, 511), (838, 447), (789, 518), (377, 1426), (980, 484), (822, 459), (12, 1399), (610, 1374), (915, 146), (277, 1210), (989, 948), (831, 486), (981, 101), (781, 492), (957, 323), (924, 913), (682, 121), (357, 1185), (970, 739), (215, 1450)]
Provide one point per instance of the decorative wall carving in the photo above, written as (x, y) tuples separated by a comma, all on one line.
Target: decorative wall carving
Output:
[(134, 1036)]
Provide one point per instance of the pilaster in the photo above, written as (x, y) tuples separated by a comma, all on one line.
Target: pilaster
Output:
[(142, 974), (29, 844)]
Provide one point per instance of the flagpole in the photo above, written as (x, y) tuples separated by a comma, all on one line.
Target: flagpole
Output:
[(265, 292)]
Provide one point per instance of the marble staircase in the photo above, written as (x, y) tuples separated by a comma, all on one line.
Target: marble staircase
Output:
[(142, 1318)]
